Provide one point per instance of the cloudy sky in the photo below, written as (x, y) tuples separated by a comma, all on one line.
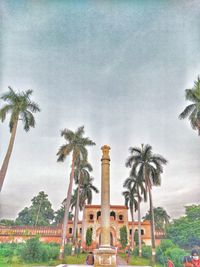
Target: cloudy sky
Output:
[(119, 68)]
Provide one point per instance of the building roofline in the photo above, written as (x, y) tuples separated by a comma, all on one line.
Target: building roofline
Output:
[(111, 206)]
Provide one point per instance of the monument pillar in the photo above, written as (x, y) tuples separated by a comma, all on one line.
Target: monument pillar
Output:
[(105, 255), (105, 197)]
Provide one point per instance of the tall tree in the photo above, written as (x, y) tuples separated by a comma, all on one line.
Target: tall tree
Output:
[(39, 213), (81, 175), (75, 144), (161, 218), (149, 166), (135, 183), (192, 111), (59, 215), (21, 108), (87, 188), (131, 202)]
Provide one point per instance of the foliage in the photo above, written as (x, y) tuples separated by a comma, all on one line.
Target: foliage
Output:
[(146, 252), (136, 237), (148, 167), (7, 250), (59, 215), (39, 213), (88, 237), (185, 231), (35, 251), (168, 249), (160, 216), (87, 189), (32, 251), (7, 222), (192, 111), (68, 249), (123, 236)]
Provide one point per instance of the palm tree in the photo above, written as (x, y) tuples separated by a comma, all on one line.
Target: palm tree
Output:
[(136, 184), (76, 144), (81, 174), (161, 218), (131, 202), (20, 106), (192, 111), (87, 188), (147, 165)]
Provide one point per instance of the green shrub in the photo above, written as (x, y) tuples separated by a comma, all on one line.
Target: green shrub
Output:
[(88, 237), (136, 251), (32, 251), (146, 252), (165, 244), (6, 250), (168, 249), (68, 249), (176, 254), (123, 236)]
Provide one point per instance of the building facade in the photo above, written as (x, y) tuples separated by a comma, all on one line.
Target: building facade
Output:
[(91, 219)]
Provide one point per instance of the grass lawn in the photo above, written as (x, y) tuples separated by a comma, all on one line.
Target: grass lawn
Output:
[(140, 261), (77, 259)]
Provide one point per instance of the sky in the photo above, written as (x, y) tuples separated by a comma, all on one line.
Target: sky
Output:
[(120, 68)]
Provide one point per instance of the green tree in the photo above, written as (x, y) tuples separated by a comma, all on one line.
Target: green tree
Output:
[(88, 237), (135, 184), (7, 222), (161, 218), (21, 108), (185, 231), (86, 194), (82, 173), (39, 213), (145, 164), (87, 189), (131, 202), (76, 144), (32, 252), (123, 236), (192, 111), (59, 215)]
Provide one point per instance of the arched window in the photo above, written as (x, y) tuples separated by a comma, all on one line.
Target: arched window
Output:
[(98, 214), (91, 217), (142, 231), (113, 214), (70, 230), (80, 230), (121, 217), (130, 231)]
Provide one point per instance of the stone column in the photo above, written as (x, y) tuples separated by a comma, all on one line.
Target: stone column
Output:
[(105, 255), (105, 197)]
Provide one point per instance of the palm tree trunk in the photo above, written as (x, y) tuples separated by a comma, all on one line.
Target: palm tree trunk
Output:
[(152, 225), (76, 211), (139, 229), (67, 207), (83, 226), (132, 230), (8, 154)]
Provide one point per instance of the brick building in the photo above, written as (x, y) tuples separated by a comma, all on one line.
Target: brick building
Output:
[(91, 219)]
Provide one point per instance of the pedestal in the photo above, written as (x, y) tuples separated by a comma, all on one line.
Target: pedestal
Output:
[(105, 257)]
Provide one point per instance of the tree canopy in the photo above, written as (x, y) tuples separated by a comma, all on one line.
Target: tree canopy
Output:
[(39, 213), (185, 231)]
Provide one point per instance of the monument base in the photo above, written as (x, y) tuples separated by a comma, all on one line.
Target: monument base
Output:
[(105, 256)]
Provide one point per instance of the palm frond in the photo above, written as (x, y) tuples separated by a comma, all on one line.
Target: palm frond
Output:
[(4, 110), (187, 111), (64, 151)]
